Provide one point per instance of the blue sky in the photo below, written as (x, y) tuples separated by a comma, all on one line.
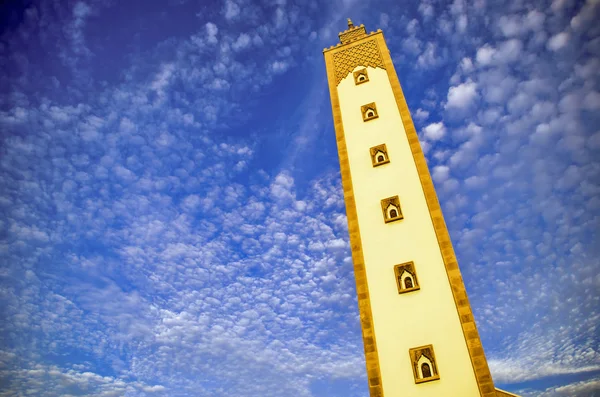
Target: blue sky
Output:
[(171, 214)]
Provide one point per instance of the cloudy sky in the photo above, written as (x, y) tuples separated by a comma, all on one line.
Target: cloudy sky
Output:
[(171, 213)]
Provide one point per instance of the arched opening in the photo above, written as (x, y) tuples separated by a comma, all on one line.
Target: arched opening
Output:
[(393, 213), (362, 77), (425, 370), (370, 113), (380, 158), (408, 283)]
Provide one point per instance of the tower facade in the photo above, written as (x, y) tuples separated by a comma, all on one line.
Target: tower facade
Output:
[(419, 333)]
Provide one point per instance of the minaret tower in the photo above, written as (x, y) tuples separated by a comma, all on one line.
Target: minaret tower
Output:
[(419, 333)]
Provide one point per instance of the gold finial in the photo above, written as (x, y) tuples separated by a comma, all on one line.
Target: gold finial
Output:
[(350, 24)]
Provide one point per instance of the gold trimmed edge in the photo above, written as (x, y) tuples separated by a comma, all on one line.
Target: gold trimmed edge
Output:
[(362, 288)]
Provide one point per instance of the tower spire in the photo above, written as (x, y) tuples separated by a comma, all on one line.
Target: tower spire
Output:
[(350, 24)]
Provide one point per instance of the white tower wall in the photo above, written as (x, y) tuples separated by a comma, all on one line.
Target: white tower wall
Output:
[(403, 329), (428, 315)]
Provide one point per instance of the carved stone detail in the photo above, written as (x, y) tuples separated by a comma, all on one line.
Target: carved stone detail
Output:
[(369, 111), (423, 355), (352, 33), (391, 209), (364, 54), (377, 152), (360, 76), (404, 272)]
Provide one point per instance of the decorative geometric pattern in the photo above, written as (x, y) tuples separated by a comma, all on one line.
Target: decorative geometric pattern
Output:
[(364, 54), (351, 34)]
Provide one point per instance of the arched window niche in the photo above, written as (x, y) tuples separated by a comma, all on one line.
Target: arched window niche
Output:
[(423, 363), (406, 277), (425, 370), (361, 76), (379, 155), (369, 111), (391, 209)]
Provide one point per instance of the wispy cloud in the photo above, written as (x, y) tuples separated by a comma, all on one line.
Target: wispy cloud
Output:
[(173, 220)]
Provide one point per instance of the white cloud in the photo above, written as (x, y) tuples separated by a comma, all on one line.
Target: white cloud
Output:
[(282, 186), (466, 65), (281, 18), (518, 25), (81, 12), (426, 9), (581, 388), (475, 182), (124, 173), (462, 96), (510, 25), (485, 55), (586, 16), (440, 173), (384, 19), (421, 115), (558, 41), (535, 20), (510, 50), (559, 5), (231, 10), (279, 66), (162, 78), (191, 202), (243, 41), (435, 131), (462, 23), (592, 100), (412, 27), (594, 141), (411, 45), (425, 146), (211, 31), (428, 58)]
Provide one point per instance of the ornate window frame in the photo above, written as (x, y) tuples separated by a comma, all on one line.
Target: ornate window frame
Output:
[(357, 76), (374, 152), (399, 270), (364, 109), (386, 203), (423, 353)]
